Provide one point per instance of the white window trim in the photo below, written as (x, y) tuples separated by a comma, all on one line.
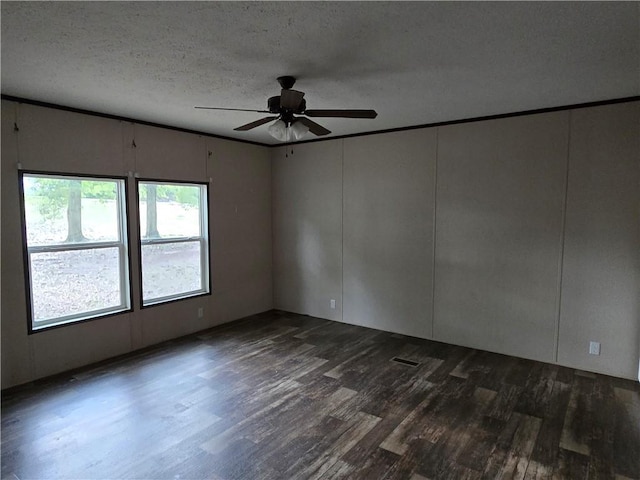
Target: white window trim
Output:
[(203, 239), (121, 244)]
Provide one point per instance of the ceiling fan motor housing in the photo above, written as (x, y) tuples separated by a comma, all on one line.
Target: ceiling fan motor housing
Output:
[(273, 104)]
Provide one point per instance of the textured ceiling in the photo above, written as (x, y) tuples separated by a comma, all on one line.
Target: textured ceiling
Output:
[(414, 62)]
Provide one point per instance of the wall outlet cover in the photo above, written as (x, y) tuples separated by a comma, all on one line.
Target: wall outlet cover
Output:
[(594, 348)]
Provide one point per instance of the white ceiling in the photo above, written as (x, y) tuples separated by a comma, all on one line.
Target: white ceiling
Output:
[(414, 62)]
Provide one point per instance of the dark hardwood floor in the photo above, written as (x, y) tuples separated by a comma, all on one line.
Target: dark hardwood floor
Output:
[(284, 396)]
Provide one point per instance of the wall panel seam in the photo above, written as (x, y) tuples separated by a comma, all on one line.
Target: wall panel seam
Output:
[(272, 154), (32, 354), (123, 158), (342, 234), (435, 219), (563, 234)]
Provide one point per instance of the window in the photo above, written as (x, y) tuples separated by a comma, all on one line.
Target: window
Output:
[(174, 240), (77, 260)]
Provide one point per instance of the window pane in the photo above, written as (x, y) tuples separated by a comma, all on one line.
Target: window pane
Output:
[(70, 277), (74, 282), (66, 210), (171, 269), (169, 210)]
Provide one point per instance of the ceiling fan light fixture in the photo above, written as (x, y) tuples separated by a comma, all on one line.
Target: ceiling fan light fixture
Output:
[(278, 130), (299, 130), (283, 133)]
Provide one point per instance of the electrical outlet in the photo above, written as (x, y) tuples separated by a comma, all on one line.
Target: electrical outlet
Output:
[(333, 303), (594, 348), (200, 312)]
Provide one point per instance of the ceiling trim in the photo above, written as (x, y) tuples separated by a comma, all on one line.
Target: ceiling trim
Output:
[(373, 132), (55, 106), (576, 106)]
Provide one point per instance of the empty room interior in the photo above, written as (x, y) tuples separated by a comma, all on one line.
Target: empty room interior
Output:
[(296, 240)]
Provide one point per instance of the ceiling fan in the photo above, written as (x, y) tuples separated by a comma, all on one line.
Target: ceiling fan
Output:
[(290, 110)]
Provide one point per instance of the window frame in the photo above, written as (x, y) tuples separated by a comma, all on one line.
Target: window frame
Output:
[(123, 244), (204, 239)]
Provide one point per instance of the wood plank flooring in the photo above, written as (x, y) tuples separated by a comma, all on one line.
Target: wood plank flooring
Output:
[(284, 396)]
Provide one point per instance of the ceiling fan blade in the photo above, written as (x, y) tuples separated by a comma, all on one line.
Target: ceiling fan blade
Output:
[(313, 126), (290, 99), (233, 109), (342, 113), (255, 124)]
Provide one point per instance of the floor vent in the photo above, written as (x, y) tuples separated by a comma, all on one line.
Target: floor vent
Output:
[(404, 361)]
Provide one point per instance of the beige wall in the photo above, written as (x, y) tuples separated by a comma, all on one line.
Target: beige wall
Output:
[(242, 277), (601, 269), (307, 228), (499, 213), (517, 235), (389, 186), (240, 225), (536, 234)]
